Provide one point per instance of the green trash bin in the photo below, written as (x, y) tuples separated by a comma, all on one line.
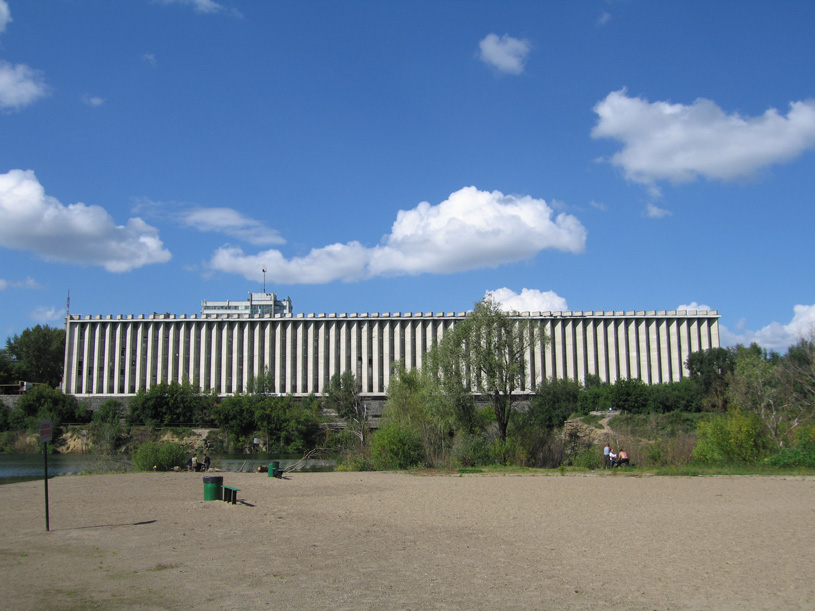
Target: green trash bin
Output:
[(274, 467), (213, 488)]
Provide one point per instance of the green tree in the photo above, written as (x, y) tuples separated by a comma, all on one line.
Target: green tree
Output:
[(45, 403), (554, 401), (710, 370), (7, 370), (417, 405), (683, 396), (173, 403), (486, 352), (290, 426), (630, 395), (235, 415), (343, 396), (39, 354), (595, 398), (797, 374), (735, 437), (756, 387)]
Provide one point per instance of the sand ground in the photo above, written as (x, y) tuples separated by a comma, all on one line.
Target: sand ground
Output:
[(407, 541)]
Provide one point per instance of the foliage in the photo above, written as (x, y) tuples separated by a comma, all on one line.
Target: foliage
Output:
[(236, 417), (596, 397), (38, 354), (710, 370), (46, 403), (7, 371), (554, 401), (4, 418), (395, 447), (173, 403), (683, 396), (290, 426), (656, 426), (343, 396), (590, 458), (630, 395), (472, 451), (486, 352), (735, 437), (110, 412), (416, 404), (802, 455), (756, 386), (159, 456)]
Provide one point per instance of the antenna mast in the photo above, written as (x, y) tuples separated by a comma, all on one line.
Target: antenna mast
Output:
[(264, 279)]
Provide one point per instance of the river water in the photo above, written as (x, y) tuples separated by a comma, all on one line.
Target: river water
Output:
[(23, 467)]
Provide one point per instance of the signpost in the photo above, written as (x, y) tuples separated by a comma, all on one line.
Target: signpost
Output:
[(45, 437)]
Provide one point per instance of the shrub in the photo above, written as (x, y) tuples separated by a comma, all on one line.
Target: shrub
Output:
[(590, 458), (798, 456), (396, 448), (110, 412), (735, 437), (159, 455), (472, 451)]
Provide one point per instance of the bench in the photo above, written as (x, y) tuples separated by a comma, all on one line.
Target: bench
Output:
[(230, 494)]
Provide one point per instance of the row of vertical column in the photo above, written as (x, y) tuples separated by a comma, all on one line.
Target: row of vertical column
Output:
[(122, 356)]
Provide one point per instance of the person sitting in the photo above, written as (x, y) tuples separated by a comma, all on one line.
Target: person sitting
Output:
[(622, 458), (205, 466), (612, 456)]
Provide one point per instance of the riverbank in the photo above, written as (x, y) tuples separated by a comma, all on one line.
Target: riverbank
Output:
[(398, 541)]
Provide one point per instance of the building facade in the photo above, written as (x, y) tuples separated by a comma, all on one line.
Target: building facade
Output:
[(264, 304), (120, 355)]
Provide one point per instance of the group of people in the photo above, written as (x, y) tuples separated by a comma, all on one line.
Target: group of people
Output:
[(614, 459), (193, 464)]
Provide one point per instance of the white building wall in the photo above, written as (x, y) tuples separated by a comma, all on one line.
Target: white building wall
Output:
[(107, 356)]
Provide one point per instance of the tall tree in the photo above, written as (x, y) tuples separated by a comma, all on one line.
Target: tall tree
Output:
[(710, 369), (39, 353), (343, 396), (486, 352), (756, 387)]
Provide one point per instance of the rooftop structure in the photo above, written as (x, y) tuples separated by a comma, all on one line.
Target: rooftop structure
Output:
[(265, 304)]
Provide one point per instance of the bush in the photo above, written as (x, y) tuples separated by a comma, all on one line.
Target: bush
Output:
[(590, 458), (798, 456), (159, 456), (396, 448), (472, 451), (735, 437), (110, 412)]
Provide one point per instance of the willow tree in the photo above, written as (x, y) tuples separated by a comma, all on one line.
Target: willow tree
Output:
[(487, 353)]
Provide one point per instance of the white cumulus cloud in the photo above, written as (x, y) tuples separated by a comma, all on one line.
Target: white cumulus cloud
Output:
[(680, 143), (47, 314), (529, 300), (20, 86), (232, 223), (471, 229), (5, 15), (775, 336), (76, 233), (506, 54)]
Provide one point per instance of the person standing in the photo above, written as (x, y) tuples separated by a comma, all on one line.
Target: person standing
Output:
[(606, 456)]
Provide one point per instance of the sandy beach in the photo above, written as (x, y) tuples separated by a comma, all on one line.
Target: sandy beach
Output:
[(409, 541)]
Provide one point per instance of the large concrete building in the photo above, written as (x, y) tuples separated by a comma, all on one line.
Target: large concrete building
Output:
[(120, 355)]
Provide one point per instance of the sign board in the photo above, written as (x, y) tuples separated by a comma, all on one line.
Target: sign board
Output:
[(45, 431)]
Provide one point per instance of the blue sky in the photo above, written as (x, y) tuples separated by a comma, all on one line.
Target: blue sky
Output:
[(380, 156)]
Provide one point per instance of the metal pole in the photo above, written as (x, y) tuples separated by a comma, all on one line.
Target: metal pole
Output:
[(45, 455)]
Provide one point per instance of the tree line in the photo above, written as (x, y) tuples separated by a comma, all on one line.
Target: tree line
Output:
[(465, 405)]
